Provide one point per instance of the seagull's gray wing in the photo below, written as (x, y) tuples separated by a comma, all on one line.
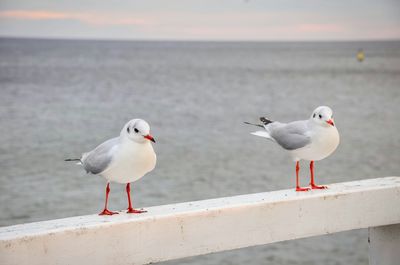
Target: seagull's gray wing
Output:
[(292, 135), (97, 160)]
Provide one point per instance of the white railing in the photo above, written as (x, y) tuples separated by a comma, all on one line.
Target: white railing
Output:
[(200, 227)]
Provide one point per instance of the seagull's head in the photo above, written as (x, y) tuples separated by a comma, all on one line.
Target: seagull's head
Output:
[(137, 130), (323, 116)]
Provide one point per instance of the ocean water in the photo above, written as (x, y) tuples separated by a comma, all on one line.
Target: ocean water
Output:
[(61, 98)]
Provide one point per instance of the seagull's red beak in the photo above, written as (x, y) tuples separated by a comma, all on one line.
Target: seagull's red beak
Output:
[(330, 122), (149, 137)]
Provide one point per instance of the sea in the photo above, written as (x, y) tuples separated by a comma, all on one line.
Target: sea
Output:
[(59, 98)]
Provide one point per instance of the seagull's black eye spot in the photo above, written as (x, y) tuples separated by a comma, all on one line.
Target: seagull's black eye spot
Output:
[(136, 130), (128, 130), (320, 116), (313, 115)]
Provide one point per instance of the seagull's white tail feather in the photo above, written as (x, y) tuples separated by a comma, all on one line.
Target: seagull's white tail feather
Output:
[(264, 134)]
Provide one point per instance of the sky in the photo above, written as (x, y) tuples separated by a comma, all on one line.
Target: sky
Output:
[(202, 19)]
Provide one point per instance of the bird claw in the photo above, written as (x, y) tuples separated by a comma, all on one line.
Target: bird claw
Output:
[(107, 212), (316, 187), (131, 210), (302, 189)]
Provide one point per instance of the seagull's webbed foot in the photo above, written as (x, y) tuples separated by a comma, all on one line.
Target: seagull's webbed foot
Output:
[(131, 210), (302, 189), (312, 184), (107, 212), (318, 187)]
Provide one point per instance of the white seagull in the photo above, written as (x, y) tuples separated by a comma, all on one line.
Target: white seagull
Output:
[(122, 159), (313, 139)]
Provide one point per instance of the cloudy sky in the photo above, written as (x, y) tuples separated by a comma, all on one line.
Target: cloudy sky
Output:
[(202, 19)]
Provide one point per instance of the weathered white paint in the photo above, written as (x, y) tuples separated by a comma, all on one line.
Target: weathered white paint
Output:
[(384, 245), (200, 227)]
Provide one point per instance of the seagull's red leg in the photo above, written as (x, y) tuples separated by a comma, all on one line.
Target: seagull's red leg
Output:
[(298, 188), (313, 186), (130, 209), (106, 211)]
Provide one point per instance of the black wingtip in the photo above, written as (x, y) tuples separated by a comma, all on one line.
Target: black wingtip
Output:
[(265, 121), (249, 123), (72, 159)]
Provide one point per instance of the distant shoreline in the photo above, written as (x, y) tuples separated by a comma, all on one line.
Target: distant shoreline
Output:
[(196, 40)]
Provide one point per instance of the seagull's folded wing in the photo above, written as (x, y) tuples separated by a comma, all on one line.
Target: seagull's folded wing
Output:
[(292, 136), (97, 161)]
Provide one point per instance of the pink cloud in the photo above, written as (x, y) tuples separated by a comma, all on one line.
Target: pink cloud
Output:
[(32, 15), (316, 28), (216, 25), (88, 18)]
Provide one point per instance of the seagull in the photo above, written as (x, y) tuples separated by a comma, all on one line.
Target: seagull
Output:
[(312, 140), (122, 159)]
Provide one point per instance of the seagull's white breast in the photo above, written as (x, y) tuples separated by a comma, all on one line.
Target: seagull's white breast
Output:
[(324, 141), (130, 162)]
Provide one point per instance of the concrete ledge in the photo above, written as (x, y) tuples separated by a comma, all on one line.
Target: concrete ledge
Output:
[(194, 228)]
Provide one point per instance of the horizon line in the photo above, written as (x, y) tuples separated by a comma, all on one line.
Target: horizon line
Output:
[(196, 40)]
